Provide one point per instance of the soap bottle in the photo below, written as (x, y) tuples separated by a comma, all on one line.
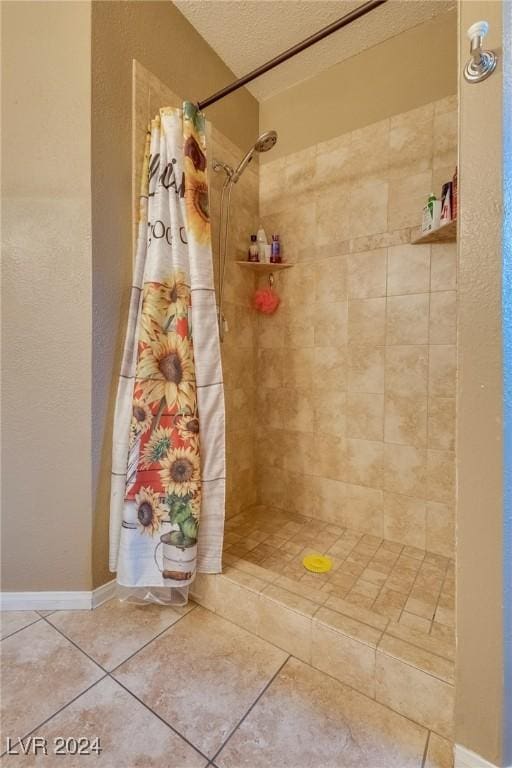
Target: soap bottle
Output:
[(262, 242), (253, 250), (275, 254)]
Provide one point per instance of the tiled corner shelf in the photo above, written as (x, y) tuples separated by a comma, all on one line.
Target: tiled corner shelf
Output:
[(447, 233), (264, 267)]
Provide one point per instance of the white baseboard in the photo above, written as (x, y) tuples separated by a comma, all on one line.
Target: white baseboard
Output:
[(101, 594), (465, 758), (55, 601)]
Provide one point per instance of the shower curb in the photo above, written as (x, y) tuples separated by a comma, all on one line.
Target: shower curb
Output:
[(386, 669)]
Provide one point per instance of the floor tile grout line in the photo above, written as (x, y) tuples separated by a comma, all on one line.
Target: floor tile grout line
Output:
[(165, 722), (256, 700), (128, 658), (57, 629), (61, 709), (21, 628), (110, 675), (425, 751), (91, 658)]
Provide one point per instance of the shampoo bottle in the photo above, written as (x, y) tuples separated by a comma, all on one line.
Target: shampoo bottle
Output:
[(253, 250), (262, 242), (275, 255)]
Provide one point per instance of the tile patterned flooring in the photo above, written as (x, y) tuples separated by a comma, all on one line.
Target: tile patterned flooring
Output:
[(406, 586), (187, 689)]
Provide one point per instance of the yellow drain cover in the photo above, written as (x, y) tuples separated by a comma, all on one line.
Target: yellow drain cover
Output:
[(317, 563)]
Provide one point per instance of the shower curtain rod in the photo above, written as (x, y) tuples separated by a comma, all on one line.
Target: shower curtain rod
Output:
[(362, 10)]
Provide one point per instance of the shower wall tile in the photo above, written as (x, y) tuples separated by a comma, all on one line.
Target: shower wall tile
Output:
[(330, 279), (299, 328), (441, 423), (440, 528), (441, 476), (331, 367), (330, 457), (365, 462), (366, 321), (408, 269), (333, 214), (407, 370), (407, 319), (369, 155), (442, 370), (443, 317), (330, 323), (367, 206), (362, 509), (406, 199), (365, 415), (405, 470), (330, 411), (332, 161), (355, 374), (366, 368), (405, 519), (366, 274), (443, 267), (410, 142), (405, 419), (445, 139)]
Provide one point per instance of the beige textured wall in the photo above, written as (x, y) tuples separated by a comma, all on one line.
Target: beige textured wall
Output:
[(479, 684), (158, 36), (405, 71), (46, 431), (357, 369)]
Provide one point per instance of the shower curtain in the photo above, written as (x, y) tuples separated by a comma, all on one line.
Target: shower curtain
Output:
[(168, 468)]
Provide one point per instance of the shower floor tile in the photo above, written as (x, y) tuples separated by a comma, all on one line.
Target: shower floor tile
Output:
[(411, 589)]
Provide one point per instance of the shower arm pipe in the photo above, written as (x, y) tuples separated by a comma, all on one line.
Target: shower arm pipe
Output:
[(344, 21)]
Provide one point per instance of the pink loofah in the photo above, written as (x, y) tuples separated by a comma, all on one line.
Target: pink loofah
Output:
[(266, 301)]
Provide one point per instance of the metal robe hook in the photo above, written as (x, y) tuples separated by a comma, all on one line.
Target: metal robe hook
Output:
[(481, 63), (271, 280)]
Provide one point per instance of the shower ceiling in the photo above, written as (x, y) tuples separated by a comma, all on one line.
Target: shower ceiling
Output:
[(246, 34)]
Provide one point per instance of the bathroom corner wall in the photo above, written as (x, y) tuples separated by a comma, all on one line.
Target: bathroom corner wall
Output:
[(356, 371), (238, 349), (46, 296)]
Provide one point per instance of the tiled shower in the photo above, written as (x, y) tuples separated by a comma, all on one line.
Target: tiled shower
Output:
[(341, 415), (356, 372), (340, 408)]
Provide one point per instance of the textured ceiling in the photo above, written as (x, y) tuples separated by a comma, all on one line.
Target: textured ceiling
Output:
[(246, 33)]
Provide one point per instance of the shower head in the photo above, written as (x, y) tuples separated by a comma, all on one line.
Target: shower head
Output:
[(266, 141), (262, 144)]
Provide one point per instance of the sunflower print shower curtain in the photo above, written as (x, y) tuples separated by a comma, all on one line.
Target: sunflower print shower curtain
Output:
[(168, 473)]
